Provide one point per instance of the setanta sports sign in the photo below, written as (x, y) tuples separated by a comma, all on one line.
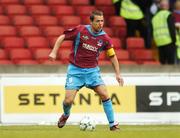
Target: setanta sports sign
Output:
[(48, 99), (158, 98)]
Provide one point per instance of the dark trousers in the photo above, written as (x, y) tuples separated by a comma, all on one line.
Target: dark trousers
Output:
[(140, 25), (167, 54)]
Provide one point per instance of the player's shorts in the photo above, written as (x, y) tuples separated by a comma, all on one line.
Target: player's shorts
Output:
[(78, 77)]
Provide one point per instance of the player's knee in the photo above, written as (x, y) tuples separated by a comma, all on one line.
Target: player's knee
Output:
[(68, 101)]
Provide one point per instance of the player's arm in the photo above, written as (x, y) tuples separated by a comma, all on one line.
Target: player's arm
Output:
[(57, 44), (111, 54)]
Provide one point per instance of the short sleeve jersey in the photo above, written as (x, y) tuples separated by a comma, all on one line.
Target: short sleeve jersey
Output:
[(87, 45)]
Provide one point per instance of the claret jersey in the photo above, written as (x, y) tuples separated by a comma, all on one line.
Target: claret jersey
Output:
[(86, 45)]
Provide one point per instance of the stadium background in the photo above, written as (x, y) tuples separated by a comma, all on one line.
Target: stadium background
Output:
[(28, 29)]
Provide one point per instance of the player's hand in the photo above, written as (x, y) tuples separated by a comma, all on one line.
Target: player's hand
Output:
[(120, 80), (52, 56)]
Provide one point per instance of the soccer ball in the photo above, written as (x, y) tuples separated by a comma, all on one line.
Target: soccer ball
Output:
[(87, 123)]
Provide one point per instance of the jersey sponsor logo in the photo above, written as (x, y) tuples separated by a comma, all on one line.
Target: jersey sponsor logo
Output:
[(89, 47), (158, 98)]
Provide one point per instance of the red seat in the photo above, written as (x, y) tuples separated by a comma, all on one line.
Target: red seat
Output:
[(109, 31), (84, 10), (4, 2), (104, 62), (69, 21), (56, 2), (67, 44), (116, 43), (3, 54), (26, 62), (37, 42), (47, 20), (4, 20), (19, 54), (127, 62), (142, 55), (122, 55), (15, 10), (22, 20), (62, 10), (7, 30), (27, 31), (41, 54), (1, 10), (36, 10), (6, 62), (63, 54), (102, 56), (102, 2), (116, 21), (52, 41), (135, 42), (49, 62), (79, 2), (151, 63), (33, 2), (85, 19), (53, 31), (13, 42), (107, 10)]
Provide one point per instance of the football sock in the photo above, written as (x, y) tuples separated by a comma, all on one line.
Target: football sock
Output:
[(66, 109), (107, 105)]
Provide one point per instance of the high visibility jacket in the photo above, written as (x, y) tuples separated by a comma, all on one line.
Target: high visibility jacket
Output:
[(129, 10), (178, 44), (161, 32), (114, 1)]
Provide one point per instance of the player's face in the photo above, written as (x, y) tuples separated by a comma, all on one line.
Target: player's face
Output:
[(97, 23)]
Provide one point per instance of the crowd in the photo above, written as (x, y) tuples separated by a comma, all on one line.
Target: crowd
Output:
[(156, 20)]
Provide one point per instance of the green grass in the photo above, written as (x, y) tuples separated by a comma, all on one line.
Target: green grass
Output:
[(146, 131)]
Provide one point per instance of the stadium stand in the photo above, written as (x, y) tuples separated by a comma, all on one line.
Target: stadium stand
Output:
[(41, 54), (7, 30), (17, 9), (12, 42), (46, 20), (63, 10), (56, 2), (26, 31), (37, 10), (6, 2), (4, 20), (69, 21), (36, 24), (22, 20), (79, 2), (20, 54)]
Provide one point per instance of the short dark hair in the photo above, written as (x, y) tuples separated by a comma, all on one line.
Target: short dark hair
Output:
[(95, 12)]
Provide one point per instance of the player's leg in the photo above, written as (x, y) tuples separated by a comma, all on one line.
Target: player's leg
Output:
[(67, 104), (107, 105), (74, 82)]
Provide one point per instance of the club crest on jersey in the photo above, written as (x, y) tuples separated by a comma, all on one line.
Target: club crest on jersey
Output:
[(85, 37), (100, 42)]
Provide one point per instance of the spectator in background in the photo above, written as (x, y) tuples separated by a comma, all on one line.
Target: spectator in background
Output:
[(176, 15), (116, 6), (164, 33), (134, 11)]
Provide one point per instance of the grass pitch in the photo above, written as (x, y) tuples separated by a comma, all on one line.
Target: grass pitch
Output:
[(142, 131)]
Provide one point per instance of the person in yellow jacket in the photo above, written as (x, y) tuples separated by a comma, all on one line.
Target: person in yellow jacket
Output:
[(176, 15), (136, 14), (164, 33)]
